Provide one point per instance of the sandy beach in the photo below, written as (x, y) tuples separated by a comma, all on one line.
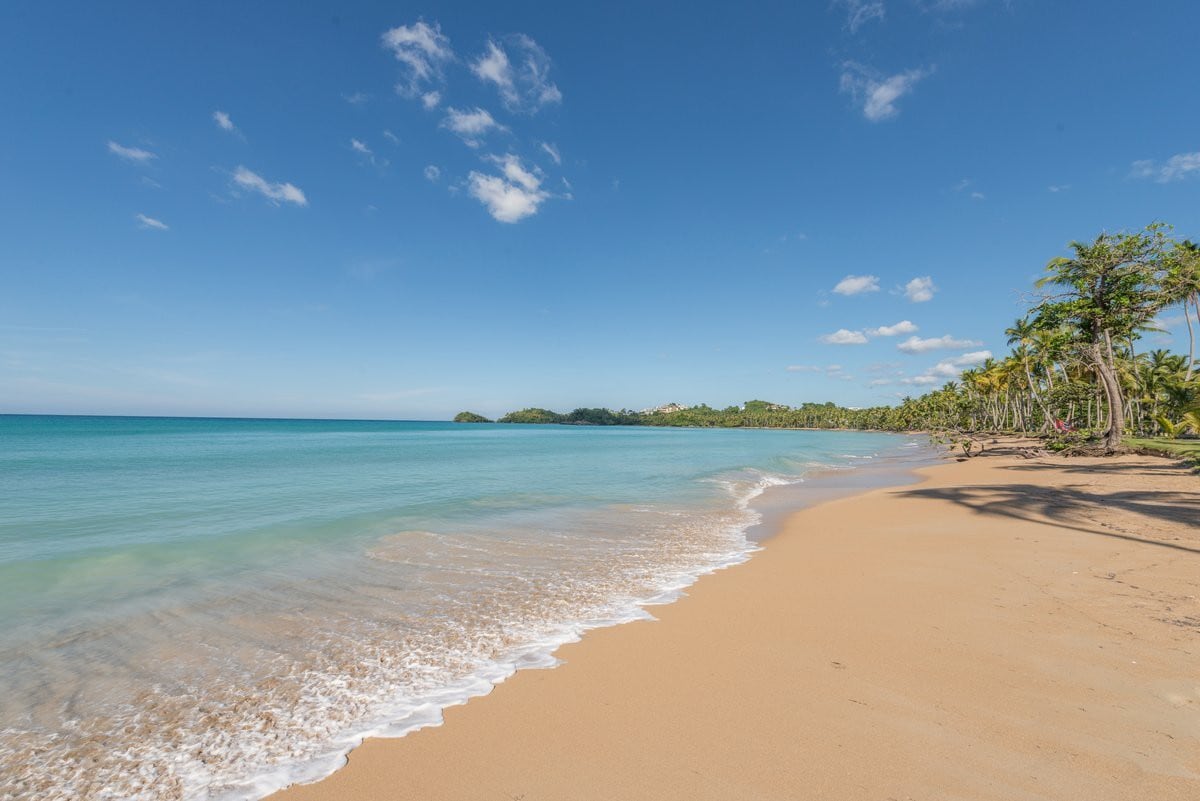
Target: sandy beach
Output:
[(1007, 628)]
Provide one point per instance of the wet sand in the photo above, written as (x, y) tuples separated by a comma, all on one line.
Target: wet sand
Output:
[(1008, 628)]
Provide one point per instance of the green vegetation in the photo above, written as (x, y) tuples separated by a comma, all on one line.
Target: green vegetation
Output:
[(532, 416), (470, 417), (1189, 451), (1075, 375)]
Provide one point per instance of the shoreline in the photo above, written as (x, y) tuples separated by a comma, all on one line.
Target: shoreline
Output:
[(769, 502), (925, 641)]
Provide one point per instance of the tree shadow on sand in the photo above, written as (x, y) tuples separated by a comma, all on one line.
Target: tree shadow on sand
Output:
[(1071, 507), (1167, 467)]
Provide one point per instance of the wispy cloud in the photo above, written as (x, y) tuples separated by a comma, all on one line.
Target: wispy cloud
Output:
[(360, 147), (512, 196), (947, 342), (877, 93), (275, 192), (391, 137), (356, 98), (223, 121), (920, 290), (1058, 188), (844, 336), (432, 173), (860, 12), (552, 151), (471, 124), (923, 380), (430, 100), (899, 329), (525, 85), (830, 370), (131, 154), (946, 5), (150, 222), (857, 284), (422, 49), (1176, 168), (964, 184)]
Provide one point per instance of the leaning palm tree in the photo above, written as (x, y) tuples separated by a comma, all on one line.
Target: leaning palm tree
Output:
[(1105, 291)]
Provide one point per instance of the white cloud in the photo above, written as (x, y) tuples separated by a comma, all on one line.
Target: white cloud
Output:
[(860, 12), (1181, 166), (948, 369), (977, 196), (432, 173), (552, 152), (223, 122), (134, 154), (430, 100), (471, 124), (277, 193), (494, 67), (900, 328), (857, 284), (843, 336), (955, 364), (391, 137), (1058, 187), (422, 49), (512, 197), (150, 222), (947, 342), (1176, 168), (879, 382), (525, 85), (920, 290), (876, 93), (357, 98), (361, 148)]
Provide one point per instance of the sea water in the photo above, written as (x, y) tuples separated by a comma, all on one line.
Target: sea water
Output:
[(213, 609)]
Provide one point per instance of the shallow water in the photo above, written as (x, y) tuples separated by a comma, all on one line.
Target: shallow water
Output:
[(215, 608)]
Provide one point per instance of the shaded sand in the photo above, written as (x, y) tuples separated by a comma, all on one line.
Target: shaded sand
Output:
[(1007, 629)]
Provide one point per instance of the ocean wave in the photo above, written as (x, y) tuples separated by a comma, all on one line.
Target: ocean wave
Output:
[(275, 681)]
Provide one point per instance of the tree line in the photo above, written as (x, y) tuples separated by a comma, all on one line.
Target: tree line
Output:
[(1075, 369)]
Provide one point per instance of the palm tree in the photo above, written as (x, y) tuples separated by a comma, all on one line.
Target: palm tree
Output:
[(1108, 289), (1182, 286), (1023, 333)]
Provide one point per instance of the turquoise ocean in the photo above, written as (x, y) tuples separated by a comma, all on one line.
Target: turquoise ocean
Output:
[(212, 609)]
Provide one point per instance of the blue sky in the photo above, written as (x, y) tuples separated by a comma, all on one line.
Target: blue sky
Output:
[(400, 211)]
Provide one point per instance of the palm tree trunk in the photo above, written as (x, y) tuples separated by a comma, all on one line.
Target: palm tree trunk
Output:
[(1191, 334), (1037, 397), (1116, 400)]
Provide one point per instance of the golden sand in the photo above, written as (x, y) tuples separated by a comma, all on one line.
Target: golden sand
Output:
[(1007, 629)]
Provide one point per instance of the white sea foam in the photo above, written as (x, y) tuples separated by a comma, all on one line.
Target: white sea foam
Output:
[(404, 717), (274, 681)]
